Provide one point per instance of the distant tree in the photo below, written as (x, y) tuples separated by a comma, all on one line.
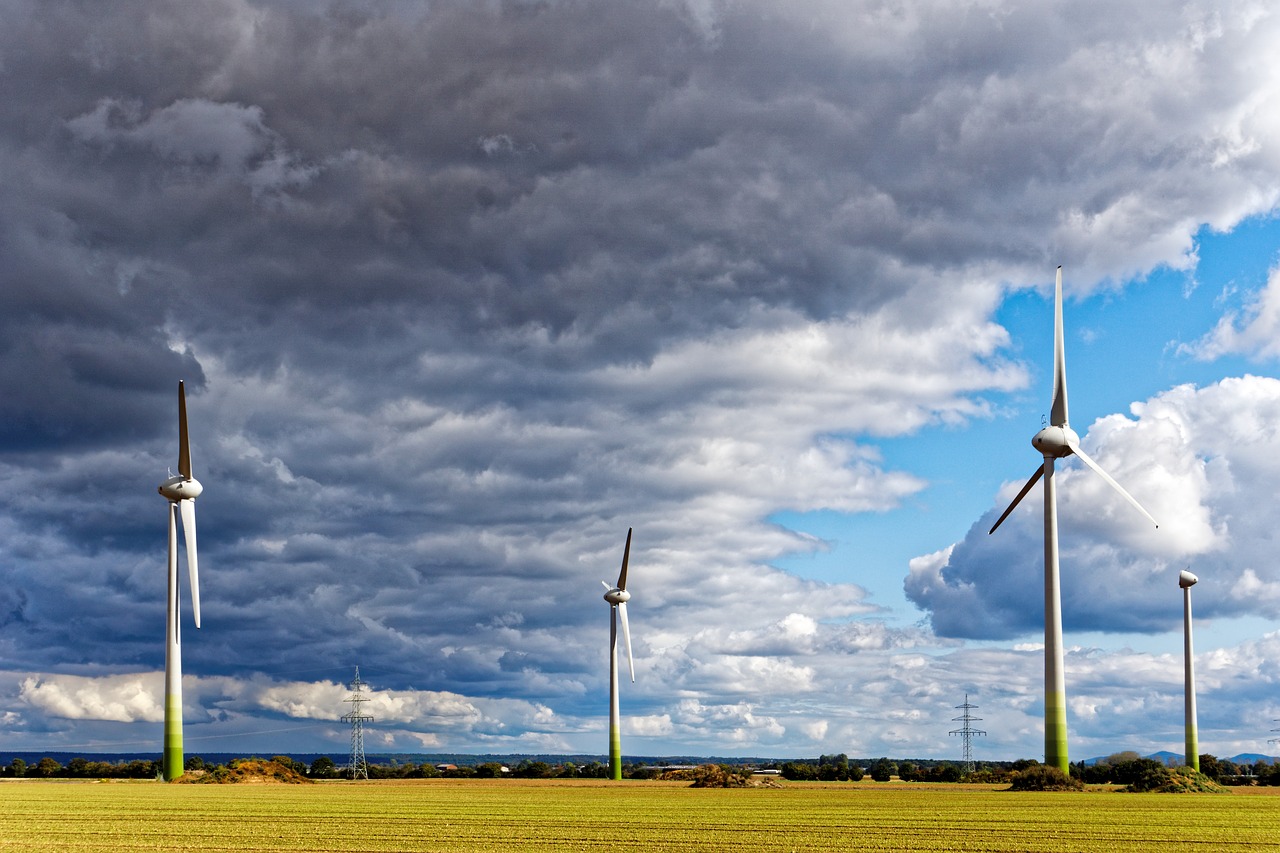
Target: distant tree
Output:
[(46, 768), (882, 770), (567, 770), (527, 769), (593, 770), (323, 768), (18, 766), (489, 770), (193, 762), (948, 772), (833, 768), (907, 772), (78, 767), (798, 771), (1210, 767)]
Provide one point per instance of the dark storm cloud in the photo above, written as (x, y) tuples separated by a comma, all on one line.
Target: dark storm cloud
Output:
[(462, 291)]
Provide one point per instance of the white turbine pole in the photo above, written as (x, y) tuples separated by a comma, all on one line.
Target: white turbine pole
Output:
[(615, 712), (1055, 684), (172, 762), (1186, 580)]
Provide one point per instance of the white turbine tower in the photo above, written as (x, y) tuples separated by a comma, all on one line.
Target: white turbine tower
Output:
[(181, 490), (617, 596), (1057, 441), (1186, 580)]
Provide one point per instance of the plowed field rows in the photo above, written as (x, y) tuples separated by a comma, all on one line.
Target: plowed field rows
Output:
[(456, 815)]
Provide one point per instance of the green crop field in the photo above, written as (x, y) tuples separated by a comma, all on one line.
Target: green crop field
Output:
[(463, 815)]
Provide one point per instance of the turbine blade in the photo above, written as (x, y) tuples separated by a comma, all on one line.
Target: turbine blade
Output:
[(605, 584), (1086, 459), (626, 554), (1035, 478), (189, 533), (626, 637), (1058, 414), (184, 446)]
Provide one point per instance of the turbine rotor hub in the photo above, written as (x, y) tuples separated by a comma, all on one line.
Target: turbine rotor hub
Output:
[(1055, 441), (617, 596), (179, 488)]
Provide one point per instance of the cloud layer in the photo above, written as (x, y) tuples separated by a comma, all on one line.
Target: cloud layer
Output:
[(462, 292)]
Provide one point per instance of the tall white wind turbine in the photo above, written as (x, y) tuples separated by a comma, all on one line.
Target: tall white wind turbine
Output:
[(617, 596), (1057, 441), (181, 490), (1186, 580)]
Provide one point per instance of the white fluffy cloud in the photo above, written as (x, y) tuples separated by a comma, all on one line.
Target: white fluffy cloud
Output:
[(1200, 459), (1254, 332)]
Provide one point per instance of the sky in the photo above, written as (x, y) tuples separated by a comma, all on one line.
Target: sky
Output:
[(463, 291)]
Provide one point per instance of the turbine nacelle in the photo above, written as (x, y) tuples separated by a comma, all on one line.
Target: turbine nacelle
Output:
[(1056, 441), (1186, 579), (616, 596), (180, 488)]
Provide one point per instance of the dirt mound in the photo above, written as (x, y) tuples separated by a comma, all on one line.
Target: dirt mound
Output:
[(1176, 780), (245, 771)]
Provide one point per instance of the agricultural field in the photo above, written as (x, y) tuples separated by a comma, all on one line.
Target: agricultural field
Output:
[(580, 815)]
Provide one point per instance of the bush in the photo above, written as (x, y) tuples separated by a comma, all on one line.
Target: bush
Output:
[(721, 776), (1044, 777)]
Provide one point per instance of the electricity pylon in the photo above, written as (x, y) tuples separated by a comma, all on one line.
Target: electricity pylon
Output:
[(967, 732)]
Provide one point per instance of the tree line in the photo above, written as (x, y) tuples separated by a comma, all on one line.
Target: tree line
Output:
[(1128, 768), (1123, 768)]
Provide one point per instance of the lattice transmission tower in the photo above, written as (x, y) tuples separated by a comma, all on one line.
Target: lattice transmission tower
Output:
[(357, 767), (1275, 739), (967, 732)]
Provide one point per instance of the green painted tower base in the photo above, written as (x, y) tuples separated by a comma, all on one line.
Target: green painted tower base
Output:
[(172, 763), (615, 754), (1055, 732)]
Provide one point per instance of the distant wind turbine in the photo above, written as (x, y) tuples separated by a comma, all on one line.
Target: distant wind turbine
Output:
[(1186, 580), (1057, 441), (617, 596), (181, 490)]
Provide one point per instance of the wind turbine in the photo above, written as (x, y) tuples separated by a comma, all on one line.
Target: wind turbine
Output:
[(617, 596), (1057, 441), (181, 490), (1186, 580)]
